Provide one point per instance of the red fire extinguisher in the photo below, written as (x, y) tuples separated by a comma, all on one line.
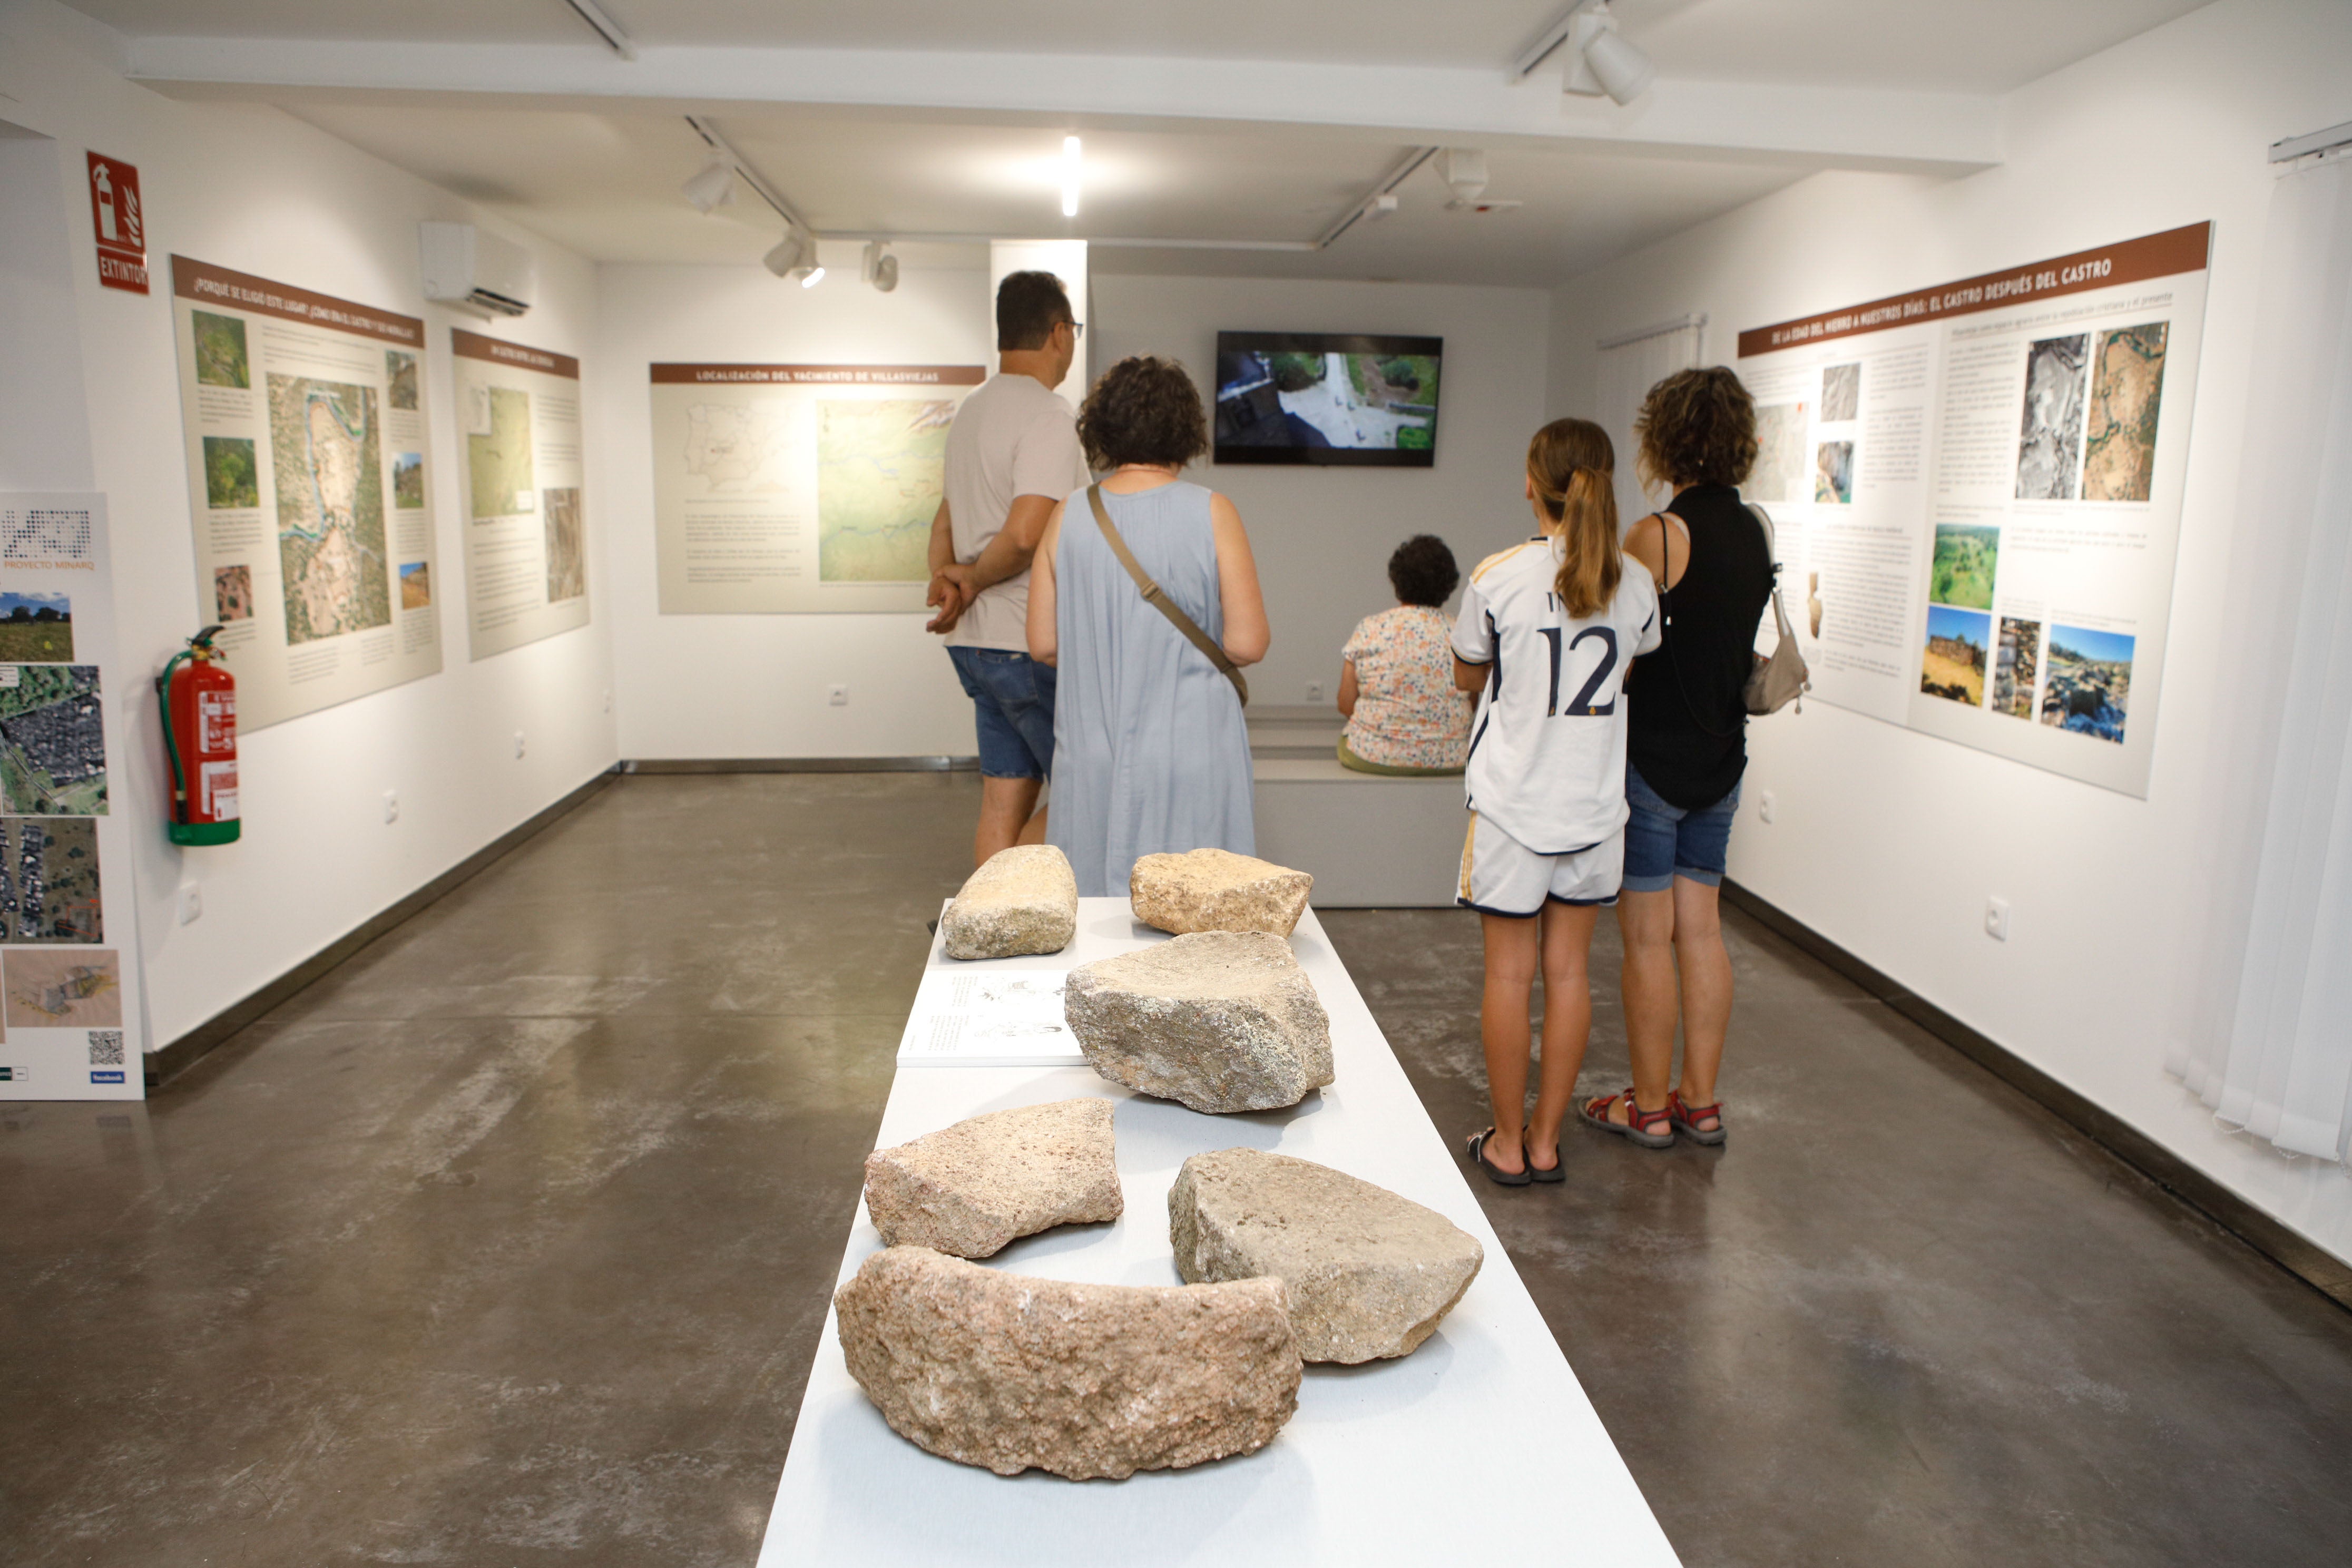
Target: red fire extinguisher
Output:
[(199, 703)]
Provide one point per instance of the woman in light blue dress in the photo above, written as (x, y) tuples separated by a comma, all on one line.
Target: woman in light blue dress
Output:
[(1151, 752)]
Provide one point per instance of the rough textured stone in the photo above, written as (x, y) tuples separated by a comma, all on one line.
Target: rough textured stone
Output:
[(1369, 1273), (1007, 1372), (1216, 890), (1218, 1020), (970, 1188), (1026, 899)]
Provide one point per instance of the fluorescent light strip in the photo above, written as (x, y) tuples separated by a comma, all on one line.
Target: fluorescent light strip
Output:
[(1069, 176)]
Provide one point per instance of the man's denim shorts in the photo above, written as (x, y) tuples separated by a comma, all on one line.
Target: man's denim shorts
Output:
[(1013, 700), (1663, 842)]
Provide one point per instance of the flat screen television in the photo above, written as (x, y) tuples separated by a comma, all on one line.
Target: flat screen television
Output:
[(1333, 398)]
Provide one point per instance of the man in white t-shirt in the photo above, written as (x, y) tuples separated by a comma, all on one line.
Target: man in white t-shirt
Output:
[(1012, 457)]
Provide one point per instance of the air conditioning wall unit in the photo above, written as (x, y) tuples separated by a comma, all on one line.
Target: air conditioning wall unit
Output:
[(463, 265)]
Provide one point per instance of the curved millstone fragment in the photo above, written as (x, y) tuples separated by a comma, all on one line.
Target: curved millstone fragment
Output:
[(1007, 1372)]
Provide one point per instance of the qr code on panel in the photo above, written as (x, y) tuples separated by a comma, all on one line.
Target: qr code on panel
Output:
[(44, 534), (106, 1047)]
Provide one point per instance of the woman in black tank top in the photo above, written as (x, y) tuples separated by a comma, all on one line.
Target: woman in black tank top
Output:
[(1686, 747)]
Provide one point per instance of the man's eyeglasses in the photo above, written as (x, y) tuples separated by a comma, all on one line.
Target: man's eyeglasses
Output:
[(1078, 330)]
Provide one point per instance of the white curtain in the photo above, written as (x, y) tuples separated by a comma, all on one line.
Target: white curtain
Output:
[(1629, 366), (2270, 1028)]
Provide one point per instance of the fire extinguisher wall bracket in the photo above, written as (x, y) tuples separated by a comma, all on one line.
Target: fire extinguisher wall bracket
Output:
[(198, 699)]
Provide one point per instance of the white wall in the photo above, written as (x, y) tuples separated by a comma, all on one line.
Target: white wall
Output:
[(1888, 841), (255, 190), (1322, 536)]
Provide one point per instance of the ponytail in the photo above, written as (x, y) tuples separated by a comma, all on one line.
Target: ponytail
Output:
[(1574, 470)]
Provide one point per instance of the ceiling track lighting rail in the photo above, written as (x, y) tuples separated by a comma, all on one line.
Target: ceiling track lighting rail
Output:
[(1372, 205), (2328, 140), (606, 28)]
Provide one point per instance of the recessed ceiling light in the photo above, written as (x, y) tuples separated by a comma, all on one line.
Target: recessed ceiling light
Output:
[(1069, 176)]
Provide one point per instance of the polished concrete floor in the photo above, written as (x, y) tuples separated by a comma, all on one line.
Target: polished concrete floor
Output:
[(508, 1244)]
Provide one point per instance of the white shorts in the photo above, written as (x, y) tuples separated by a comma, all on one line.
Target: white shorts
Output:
[(1501, 876)]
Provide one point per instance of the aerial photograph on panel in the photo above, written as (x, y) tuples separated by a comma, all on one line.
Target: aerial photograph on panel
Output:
[(324, 457), (230, 479), (1779, 472), (880, 467), (1954, 666), (2126, 394), (2051, 434), (232, 592), (2089, 689), (400, 379), (567, 562), (1966, 559), (1841, 393), (221, 358), (52, 741), (48, 881), (62, 990)]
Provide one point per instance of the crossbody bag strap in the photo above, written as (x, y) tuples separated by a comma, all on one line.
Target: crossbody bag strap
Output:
[(1157, 597)]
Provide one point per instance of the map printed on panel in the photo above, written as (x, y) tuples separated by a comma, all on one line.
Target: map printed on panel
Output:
[(525, 532), (305, 428), (799, 487), (325, 448), (1986, 543), (67, 940)]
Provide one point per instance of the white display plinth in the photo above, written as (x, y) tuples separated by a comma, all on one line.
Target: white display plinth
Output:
[(1481, 1441)]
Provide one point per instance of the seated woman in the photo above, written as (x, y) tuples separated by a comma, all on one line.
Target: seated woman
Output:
[(1396, 678), (1151, 752)]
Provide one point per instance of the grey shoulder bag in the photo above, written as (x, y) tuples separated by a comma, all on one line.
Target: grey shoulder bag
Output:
[(1782, 677), (1157, 597)]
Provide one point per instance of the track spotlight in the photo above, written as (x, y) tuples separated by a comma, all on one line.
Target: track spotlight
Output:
[(1069, 176), (878, 267), (1600, 60), (714, 187), (809, 277), (793, 254)]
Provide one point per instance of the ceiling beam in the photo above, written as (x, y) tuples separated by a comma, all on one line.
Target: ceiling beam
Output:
[(1845, 128)]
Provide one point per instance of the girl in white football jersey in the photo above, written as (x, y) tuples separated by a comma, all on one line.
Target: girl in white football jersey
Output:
[(1545, 635)]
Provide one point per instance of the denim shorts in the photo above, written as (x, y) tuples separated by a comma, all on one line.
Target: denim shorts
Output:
[(1663, 842), (1013, 700)]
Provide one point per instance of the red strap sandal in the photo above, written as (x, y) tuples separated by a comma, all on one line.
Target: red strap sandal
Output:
[(1686, 1117), (1650, 1129)]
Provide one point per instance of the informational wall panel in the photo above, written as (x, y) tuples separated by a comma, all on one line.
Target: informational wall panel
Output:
[(69, 1014), (1977, 493), (526, 528), (799, 486), (304, 424)]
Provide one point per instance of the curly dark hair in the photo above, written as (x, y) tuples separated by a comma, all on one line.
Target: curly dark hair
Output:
[(1696, 428), (1423, 571), (1143, 409)]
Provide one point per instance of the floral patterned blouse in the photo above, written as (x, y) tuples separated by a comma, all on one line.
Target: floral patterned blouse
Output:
[(1408, 711)]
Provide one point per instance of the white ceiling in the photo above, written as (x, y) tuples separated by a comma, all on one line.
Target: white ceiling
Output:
[(606, 185), (601, 173), (1954, 46)]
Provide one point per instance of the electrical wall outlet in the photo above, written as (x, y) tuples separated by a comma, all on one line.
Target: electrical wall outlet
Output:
[(192, 902), (837, 695), (1765, 805), (519, 743), (1996, 919), (608, 700), (1313, 691), (391, 807)]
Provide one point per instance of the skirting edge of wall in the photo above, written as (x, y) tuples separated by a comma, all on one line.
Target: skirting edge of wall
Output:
[(2330, 1275), (801, 765), (168, 1063)]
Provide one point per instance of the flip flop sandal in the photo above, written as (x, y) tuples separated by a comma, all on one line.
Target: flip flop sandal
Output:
[(1538, 1174), (1649, 1129), (1501, 1178), (1684, 1116)]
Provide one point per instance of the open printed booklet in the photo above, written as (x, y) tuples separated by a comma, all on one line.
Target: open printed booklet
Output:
[(1000, 1017)]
